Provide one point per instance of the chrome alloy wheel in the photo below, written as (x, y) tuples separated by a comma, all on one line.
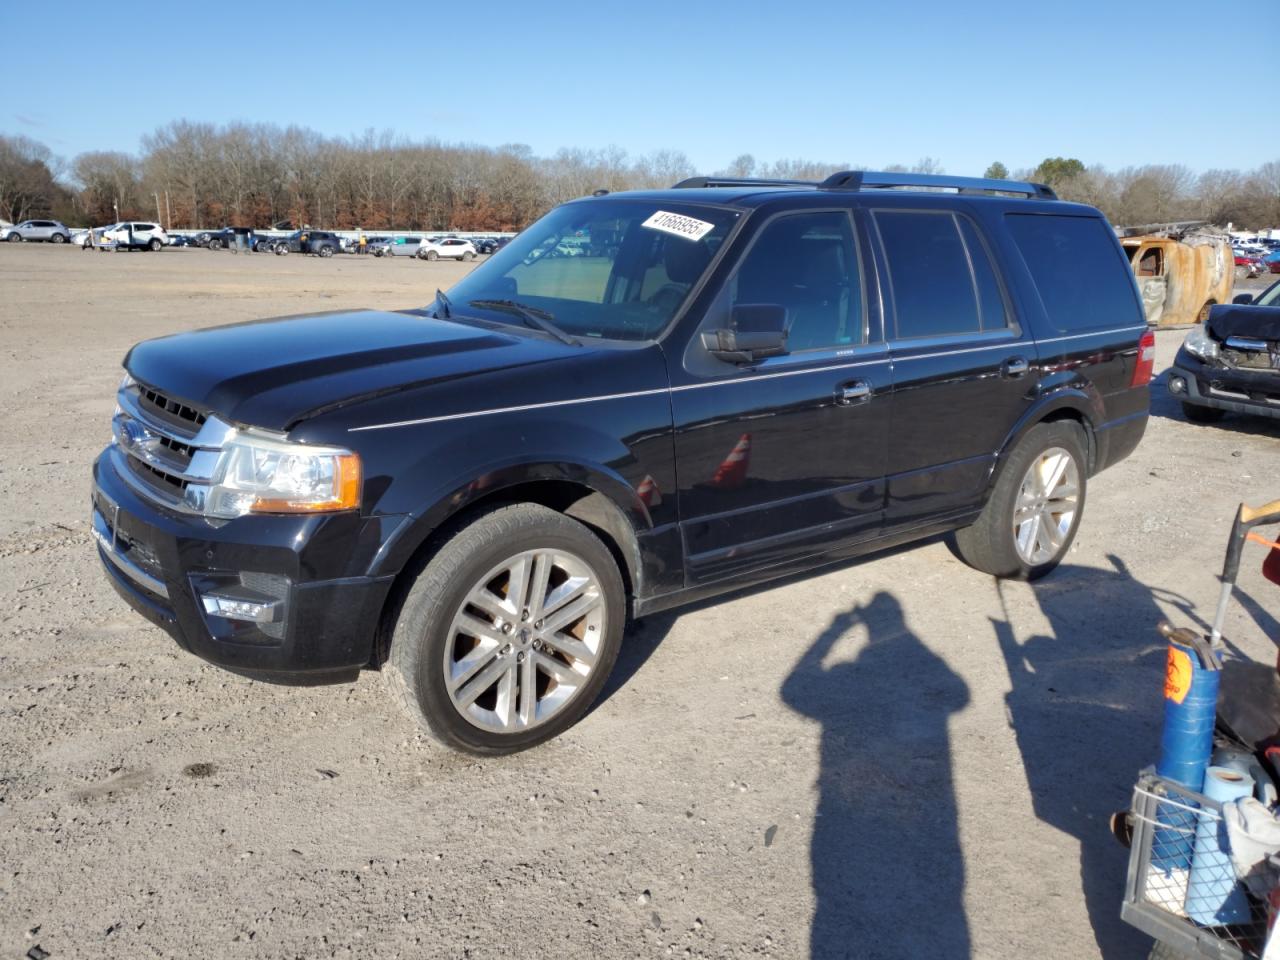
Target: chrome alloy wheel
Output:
[(525, 640), (1046, 506)]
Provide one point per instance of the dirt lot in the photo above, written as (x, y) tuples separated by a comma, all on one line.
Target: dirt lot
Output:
[(896, 758)]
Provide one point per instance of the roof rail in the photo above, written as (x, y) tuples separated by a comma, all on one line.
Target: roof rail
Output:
[(865, 180), (696, 182)]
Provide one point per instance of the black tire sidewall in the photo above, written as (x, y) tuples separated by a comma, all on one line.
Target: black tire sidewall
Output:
[(428, 613)]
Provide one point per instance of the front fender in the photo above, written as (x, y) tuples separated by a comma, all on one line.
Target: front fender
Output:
[(489, 482)]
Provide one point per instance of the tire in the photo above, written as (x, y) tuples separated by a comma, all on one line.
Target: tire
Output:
[(155, 245), (282, 249), (215, 244), (1198, 414), (325, 251), (14, 237), (432, 255), (57, 238), (468, 256), (426, 644), (992, 543)]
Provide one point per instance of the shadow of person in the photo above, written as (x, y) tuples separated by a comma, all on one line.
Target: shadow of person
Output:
[(1085, 707), (888, 875)]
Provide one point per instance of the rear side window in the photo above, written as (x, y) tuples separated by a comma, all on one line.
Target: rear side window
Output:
[(943, 281), (1083, 284)]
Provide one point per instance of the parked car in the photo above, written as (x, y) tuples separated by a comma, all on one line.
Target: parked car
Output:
[(449, 248), (474, 497), (135, 235), (1248, 265), (322, 243), (485, 244), (179, 240), (399, 247), (50, 231), (1231, 363)]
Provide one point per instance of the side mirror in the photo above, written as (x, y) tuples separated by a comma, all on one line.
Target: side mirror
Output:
[(758, 331), (1243, 298)]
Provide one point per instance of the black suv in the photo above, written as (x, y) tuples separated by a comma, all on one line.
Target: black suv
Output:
[(320, 242), (749, 379)]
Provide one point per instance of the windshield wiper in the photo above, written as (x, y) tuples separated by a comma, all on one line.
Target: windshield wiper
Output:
[(532, 316), (444, 302)]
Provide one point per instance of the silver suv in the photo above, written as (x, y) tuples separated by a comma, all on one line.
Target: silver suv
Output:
[(50, 230)]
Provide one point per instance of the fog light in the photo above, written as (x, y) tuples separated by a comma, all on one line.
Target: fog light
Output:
[(1177, 385), (253, 609)]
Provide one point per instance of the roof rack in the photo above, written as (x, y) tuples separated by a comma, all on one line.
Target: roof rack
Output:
[(693, 183), (867, 180), (864, 180)]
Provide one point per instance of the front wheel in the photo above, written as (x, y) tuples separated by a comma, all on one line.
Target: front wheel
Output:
[(1031, 518), (508, 634), (432, 255), (57, 238), (14, 237)]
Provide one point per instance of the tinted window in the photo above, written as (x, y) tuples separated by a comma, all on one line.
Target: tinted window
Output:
[(991, 305), (1083, 281), (806, 263), (933, 288)]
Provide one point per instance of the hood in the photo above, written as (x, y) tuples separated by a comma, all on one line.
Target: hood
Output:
[(275, 373), (1244, 320)]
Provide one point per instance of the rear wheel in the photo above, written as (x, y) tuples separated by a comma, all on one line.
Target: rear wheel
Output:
[(468, 256), (1031, 518), (326, 251), (1198, 414), (508, 634), (155, 244)]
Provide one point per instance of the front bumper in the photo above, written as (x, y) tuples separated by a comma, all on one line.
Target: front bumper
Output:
[(1255, 392), (313, 570)]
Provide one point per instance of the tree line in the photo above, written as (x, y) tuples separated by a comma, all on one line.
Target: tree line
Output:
[(198, 175)]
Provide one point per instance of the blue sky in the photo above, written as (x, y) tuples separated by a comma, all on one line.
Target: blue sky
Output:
[(868, 84)]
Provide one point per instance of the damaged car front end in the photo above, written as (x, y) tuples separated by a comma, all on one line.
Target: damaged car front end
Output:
[(1231, 363)]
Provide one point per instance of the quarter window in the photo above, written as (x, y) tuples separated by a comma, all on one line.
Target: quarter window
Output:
[(808, 264), (943, 281)]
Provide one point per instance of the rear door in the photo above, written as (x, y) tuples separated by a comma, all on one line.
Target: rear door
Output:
[(964, 366)]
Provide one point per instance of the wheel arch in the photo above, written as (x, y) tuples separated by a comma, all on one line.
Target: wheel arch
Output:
[(1068, 404), (606, 505)]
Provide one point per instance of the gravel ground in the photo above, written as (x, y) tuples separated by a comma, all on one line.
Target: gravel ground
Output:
[(893, 758)]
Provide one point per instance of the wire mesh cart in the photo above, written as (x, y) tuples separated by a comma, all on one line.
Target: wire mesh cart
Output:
[(1172, 878)]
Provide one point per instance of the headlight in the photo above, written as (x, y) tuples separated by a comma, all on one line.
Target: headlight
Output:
[(1201, 344), (260, 474)]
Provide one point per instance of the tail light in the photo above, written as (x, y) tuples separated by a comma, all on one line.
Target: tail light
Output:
[(1146, 360)]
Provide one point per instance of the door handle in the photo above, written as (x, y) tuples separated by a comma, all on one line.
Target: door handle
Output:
[(1015, 367), (855, 391)]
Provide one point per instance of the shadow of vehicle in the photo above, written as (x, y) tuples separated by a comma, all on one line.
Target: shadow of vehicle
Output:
[(1082, 733), (888, 875)]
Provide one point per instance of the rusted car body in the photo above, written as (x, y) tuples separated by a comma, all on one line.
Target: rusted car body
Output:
[(1182, 270)]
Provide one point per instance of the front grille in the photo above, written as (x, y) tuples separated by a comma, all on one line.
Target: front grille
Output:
[(156, 402), (1252, 359), (166, 444)]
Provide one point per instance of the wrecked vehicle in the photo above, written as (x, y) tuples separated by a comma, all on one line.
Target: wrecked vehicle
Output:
[(1183, 269), (1231, 363)]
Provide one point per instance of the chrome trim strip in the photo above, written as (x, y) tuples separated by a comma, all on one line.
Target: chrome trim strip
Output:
[(1095, 333), (1247, 343), (134, 573)]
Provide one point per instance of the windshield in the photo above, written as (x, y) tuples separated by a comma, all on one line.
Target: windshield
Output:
[(1269, 297), (606, 268)]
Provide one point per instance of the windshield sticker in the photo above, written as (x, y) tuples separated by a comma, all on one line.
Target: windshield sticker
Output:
[(677, 225)]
